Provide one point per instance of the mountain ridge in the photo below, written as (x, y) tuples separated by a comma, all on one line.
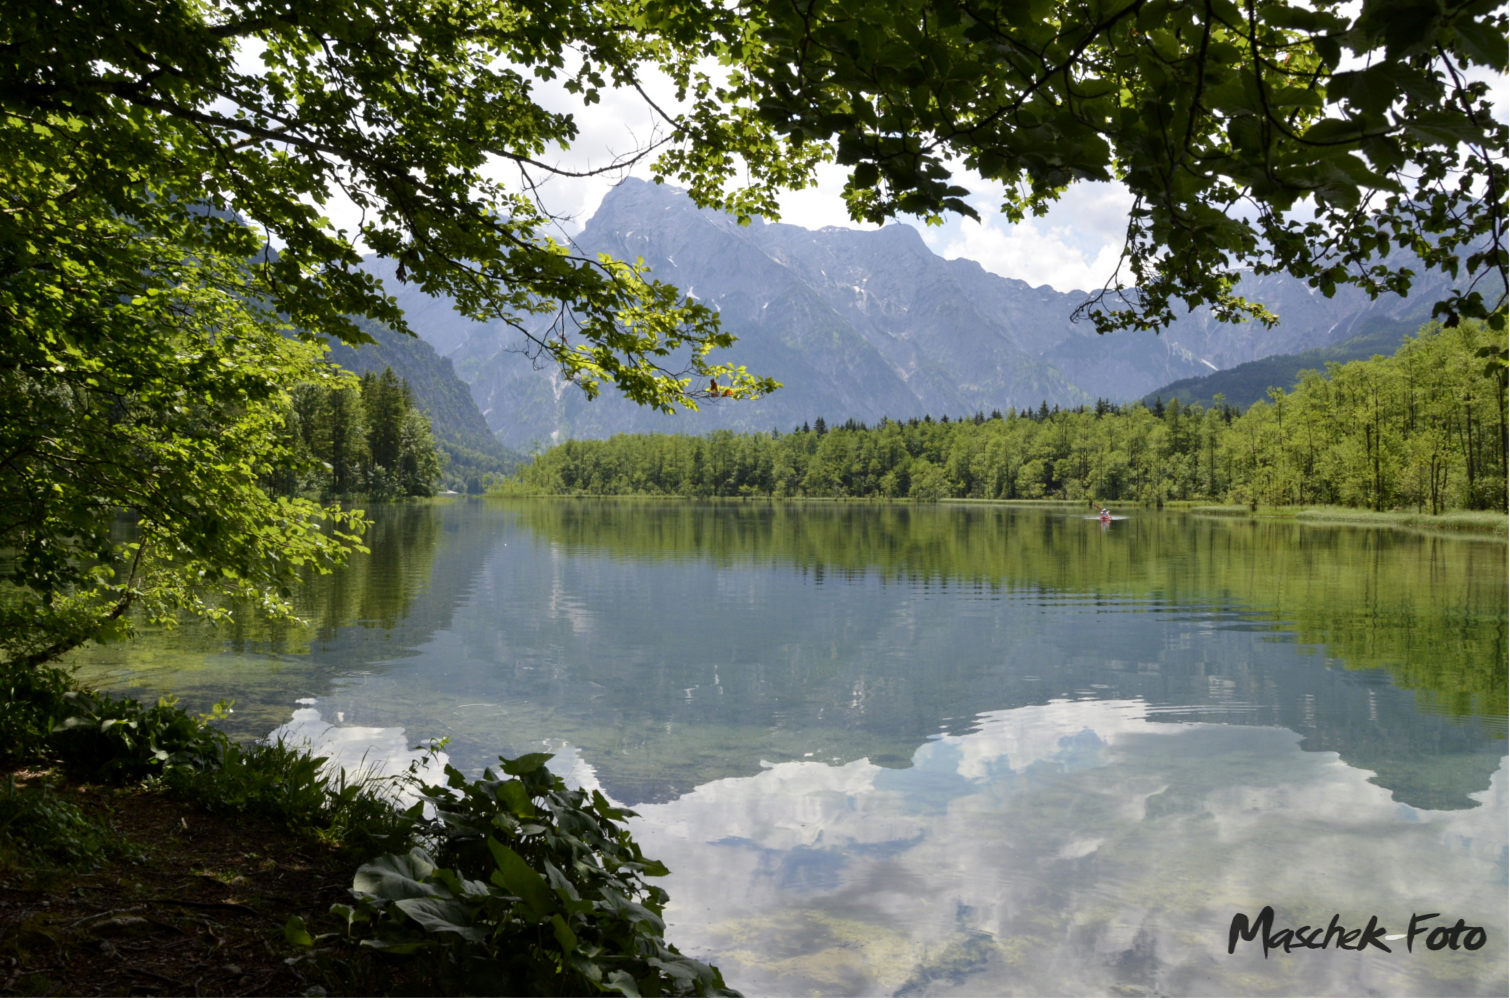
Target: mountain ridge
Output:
[(864, 324), (1249, 382)]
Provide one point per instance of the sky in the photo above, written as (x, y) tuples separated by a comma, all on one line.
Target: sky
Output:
[(1076, 246)]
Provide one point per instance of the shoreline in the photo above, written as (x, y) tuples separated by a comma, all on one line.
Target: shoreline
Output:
[(184, 902), (1481, 522)]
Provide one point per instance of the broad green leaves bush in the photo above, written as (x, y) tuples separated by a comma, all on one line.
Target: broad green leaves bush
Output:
[(31, 702), (119, 739), (522, 886)]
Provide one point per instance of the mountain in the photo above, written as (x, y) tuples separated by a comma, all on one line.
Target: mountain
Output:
[(1247, 383), (472, 450), (460, 429), (863, 324)]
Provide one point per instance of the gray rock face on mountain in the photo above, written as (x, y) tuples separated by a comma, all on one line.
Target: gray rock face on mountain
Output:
[(863, 324)]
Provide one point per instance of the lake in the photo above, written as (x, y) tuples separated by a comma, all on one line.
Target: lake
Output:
[(945, 749)]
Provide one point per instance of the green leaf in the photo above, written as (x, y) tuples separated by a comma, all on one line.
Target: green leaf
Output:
[(516, 797), (397, 940), (1482, 43), (1333, 130), (443, 916), (295, 933), (864, 175), (1152, 14), (350, 914), (397, 876), (622, 981), (1296, 97), (523, 881), (654, 869), (1445, 127), (525, 764), (564, 935)]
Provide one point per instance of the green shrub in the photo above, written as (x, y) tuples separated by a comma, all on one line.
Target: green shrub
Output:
[(45, 827), (115, 740), (32, 701), (100, 738), (523, 887), (289, 785), (97, 737)]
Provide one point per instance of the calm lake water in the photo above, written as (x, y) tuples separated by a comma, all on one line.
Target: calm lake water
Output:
[(954, 749)]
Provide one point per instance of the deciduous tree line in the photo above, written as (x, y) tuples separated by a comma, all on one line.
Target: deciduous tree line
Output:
[(1423, 428), (359, 437)]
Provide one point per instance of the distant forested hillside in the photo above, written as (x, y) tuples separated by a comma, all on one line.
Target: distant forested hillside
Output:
[(475, 455), (1247, 383), (1423, 428)]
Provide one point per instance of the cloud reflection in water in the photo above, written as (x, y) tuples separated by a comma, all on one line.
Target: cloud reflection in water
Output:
[(360, 750), (1076, 847), (1073, 847)]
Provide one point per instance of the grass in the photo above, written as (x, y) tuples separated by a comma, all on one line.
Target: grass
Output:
[(53, 831), (1488, 521)]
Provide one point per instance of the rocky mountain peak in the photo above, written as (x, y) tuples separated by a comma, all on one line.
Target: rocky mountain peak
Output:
[(869, 323)]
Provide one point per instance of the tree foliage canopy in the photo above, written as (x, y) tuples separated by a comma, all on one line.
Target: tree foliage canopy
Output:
[(362, 437), (267, 110), (153, 155), (134, 380), (1310, 137)]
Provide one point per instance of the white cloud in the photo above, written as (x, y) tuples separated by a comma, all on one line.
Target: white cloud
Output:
[(1033, 252), (621, 123), (823, 205), (1076, 246)]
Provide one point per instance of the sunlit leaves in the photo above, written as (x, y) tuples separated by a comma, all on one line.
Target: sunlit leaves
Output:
[(166, 174), (137, 380), (406, 109)]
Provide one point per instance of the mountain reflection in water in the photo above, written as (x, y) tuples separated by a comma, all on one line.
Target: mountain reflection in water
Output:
[(948, 748)]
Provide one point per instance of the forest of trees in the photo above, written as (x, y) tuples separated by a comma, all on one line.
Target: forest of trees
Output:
[(364, 437), (1424, 428)]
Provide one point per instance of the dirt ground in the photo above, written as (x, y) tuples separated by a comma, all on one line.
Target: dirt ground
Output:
[(201, 913)]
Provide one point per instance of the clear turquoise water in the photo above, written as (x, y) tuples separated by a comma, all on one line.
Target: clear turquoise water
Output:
[(945, 750)]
